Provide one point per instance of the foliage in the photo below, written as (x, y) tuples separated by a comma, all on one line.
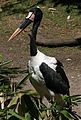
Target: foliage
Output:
[(21, 6), (18, 6), (25, 104)]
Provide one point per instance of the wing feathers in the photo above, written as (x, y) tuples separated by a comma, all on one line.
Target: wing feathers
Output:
[(54, 80)]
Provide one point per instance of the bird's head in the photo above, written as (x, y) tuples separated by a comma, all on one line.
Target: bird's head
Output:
[(34, 15)]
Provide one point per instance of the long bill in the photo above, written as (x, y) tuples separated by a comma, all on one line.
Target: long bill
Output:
[(26, 22)]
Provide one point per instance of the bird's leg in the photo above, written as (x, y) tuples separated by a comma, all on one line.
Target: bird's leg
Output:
[(41, 102), (58, 98)]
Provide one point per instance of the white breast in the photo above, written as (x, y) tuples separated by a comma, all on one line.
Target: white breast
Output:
[(34, 64), (37, 60)]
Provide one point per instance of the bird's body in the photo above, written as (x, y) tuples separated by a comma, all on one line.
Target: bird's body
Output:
[(37, 60), (36, 67), (38, 79), (48, 76)]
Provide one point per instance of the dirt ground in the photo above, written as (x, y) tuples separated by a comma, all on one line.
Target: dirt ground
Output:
[(18, 51)]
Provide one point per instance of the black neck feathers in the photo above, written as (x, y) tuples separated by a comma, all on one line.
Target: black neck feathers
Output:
[(33, 47)]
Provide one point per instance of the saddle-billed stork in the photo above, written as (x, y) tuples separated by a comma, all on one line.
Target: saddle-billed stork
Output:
[(47, 72)]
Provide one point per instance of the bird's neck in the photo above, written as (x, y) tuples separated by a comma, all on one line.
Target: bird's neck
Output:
[(33, 47)]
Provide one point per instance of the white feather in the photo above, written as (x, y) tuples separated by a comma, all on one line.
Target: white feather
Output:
[(29, 15), (38, 81)]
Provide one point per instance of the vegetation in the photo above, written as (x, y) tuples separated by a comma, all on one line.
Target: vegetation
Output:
[(20, 104), (57, 16), (22, 5)]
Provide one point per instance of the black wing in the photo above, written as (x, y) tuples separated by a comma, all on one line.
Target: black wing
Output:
[(60, 71), (55, 81)]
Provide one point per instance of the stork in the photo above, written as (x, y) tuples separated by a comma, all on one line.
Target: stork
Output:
[(48, 75)]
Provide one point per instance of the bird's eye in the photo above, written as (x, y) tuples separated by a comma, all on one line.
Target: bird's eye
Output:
[(29, 15)]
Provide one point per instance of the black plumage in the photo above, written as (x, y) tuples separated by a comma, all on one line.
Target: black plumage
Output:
[(56, 81)]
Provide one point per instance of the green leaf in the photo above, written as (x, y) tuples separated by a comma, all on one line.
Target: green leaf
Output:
[(13, 118), (74, 103), (1, 57), (32, 107), (27, 116), (5, 63), (13, 101), (1, 9), (75, 97), (13, 113), (67, 115), (22, 81)]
